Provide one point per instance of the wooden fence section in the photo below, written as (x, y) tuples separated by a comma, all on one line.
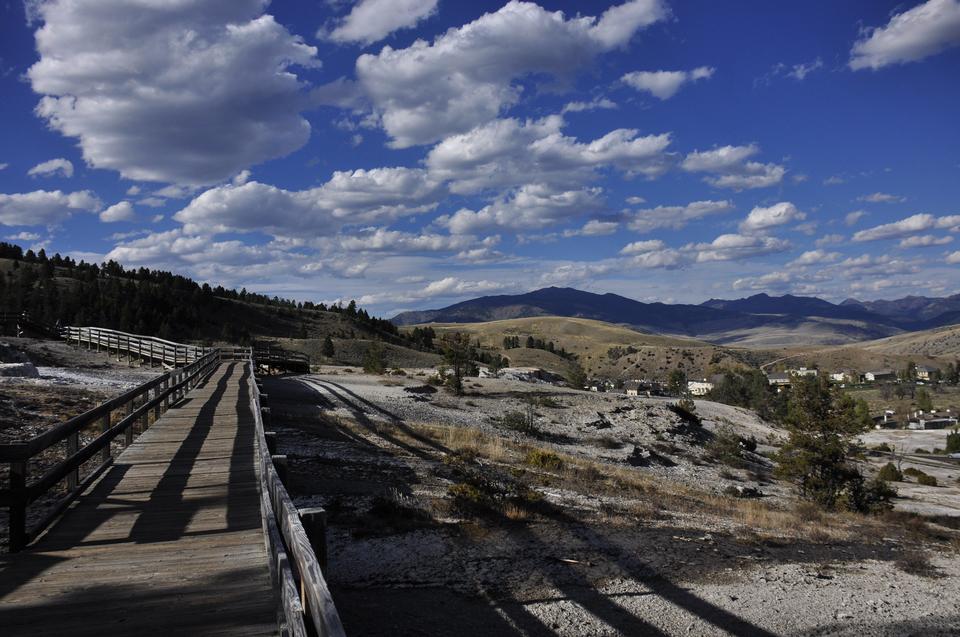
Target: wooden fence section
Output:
[(160, 537), (120, 415), (270, 357), (147, 349)]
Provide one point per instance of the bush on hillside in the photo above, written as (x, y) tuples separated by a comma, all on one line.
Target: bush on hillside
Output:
[(890, 473)]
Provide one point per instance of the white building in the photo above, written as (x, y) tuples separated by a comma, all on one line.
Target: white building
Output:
[(699, 387)]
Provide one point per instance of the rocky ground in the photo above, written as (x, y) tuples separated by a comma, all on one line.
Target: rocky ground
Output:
[(606, 517)]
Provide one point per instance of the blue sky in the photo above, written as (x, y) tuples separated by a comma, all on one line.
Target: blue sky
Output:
[(413, 153)]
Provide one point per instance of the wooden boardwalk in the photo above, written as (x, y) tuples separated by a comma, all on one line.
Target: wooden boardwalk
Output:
[(168, 541)]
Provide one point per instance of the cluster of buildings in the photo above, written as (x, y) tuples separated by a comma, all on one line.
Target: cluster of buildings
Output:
[(917, 420), (784, 379), (656, 388)]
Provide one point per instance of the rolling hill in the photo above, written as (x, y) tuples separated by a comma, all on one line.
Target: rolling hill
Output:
[(603, 349), (759, 321), (941, 341)]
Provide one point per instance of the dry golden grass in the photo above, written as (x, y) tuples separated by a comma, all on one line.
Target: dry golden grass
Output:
[(650, 497)]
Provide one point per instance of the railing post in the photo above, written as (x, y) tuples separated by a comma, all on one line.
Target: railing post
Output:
[(104, 426), (271, 438), (18, 510), (73, 446), (280, 464), (156, 410), (314, 520), (128, 432)]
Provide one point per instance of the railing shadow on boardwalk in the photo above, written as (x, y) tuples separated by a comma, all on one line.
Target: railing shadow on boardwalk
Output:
[(193, 607), (167, 513)]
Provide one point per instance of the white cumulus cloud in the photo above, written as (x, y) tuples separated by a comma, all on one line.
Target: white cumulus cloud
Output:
[(731, 247), (675, 217), (729, 167), (763, 218), (465, 77), (510, 152), (925, 241), (915, 34), (44, 207), (187, 92), (51, 167), (532, 207), (910, 225), (348, 198), (665, 84), (815, 257), (121, 211), (373, 20)]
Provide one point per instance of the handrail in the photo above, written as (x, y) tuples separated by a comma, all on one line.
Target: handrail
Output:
[(166, 388), (294, 564), (147, 348)]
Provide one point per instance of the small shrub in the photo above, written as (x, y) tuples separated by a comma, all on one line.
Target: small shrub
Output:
[(467, 499), (883, 447), (913, 472), (373, 361), (953, 442), (686, 409), (727, 447), (890, 473), (524, 422), (927, 480), (606, 442), (546, 401), (543, 459), (920, 450)]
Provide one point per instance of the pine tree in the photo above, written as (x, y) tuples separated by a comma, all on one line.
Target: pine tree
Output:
[(327, 349)]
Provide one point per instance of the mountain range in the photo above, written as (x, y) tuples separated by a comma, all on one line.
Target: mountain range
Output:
[(758, 319)]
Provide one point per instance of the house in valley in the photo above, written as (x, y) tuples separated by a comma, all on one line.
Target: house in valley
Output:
[(877, 375)]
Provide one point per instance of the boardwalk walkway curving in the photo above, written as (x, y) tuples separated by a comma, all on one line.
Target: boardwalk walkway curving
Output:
[(168, 541)]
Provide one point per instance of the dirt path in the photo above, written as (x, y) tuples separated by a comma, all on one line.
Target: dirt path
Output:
[(404, 561)]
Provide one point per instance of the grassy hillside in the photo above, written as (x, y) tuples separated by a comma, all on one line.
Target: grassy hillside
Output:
[(602, 348), (351, 352), (795, 332), (942, 341)]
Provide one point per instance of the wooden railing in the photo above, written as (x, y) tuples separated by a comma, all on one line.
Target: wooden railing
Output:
[(273, 357), (134, 407), (147, 349), (21, 324), (294, 538)]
